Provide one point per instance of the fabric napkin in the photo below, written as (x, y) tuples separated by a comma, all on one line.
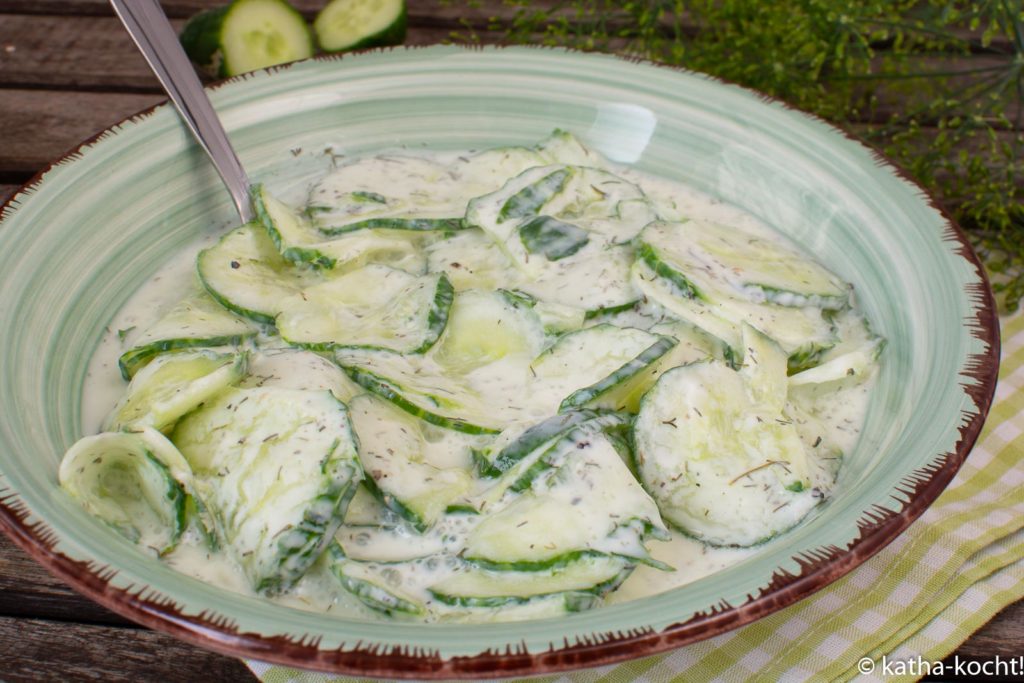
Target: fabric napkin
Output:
[(911, 604)]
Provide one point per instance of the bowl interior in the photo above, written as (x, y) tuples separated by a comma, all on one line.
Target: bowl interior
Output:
[(78, 243)]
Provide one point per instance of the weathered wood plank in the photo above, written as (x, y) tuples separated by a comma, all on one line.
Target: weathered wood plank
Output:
[(420, 11), (37, 650), (28, 590), (40, 125), (95, 53)]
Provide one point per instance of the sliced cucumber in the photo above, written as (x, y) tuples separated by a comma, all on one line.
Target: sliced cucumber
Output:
[(292, 234), (357, 24), (386, 192), (247, 35), (724, 468), (393, 453), (562, 147), (576, 508), (474, 587), (487, 327), (173, 385), (764, 369), (584, 365), (799, 331), (245, 273), (718, 262), (373, 307), (298, 369), (367, 582), (196, 321), (121, 479), (277, 468), (552, 212), (390, 543)]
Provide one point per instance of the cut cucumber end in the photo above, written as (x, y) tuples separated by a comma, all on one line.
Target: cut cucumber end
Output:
[(255, 34), (357, 24)]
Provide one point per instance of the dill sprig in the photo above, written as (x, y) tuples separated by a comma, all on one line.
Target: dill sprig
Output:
[(936, 85)]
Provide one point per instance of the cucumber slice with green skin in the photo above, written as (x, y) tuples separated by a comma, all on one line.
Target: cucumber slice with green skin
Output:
[(562, 147), (509, 450), (475, 587), (582, 205), (298, 369), (277, 468), (299, 242), (373, 307), (365, 510), (390, 544), (195, 322), (552, 238), (359, 24), (173, 385), (245, 273), (693, 345), (370, 586), (247, 35), (416, 400), (118, 478), (764, 368), (799, 331), (411, 224), (487, 327), (583, 365), (386, 192), (723, 262), (393, 454), (578, 507), (289, 230), (722, 467)]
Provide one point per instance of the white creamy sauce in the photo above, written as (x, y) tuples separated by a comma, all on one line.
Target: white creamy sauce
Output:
[(450, 181)]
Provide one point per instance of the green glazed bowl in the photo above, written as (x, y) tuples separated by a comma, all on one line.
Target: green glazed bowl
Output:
[(81, 237)]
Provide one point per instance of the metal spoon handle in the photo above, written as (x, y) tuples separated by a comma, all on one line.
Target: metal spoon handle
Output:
[(152, 33)]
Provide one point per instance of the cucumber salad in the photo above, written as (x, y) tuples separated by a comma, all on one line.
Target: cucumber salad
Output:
[(483, 386)]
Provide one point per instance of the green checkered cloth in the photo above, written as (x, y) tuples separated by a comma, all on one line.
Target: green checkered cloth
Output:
[(920, 597)]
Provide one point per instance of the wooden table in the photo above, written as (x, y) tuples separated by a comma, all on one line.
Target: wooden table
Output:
[(68, 70)]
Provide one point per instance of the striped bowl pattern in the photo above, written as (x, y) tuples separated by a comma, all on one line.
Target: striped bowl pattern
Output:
[(80, 238)]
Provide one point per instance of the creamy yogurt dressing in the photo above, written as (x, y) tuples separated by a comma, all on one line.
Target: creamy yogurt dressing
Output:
[(840, 411)]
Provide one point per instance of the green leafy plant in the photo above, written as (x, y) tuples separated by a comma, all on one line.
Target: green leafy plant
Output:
[(936, 85)]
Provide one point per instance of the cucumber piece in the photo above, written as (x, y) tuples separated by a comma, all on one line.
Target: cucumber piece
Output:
[(358, 24), (582, 366), (291, 232), (764, 369), (276, 467), (247, 35), (196, 321), (367, 583), (577, 507), (474, 587), (561, 209), (693, 344), (245, 273), (723, 467), (393, 454), (173, 385), (799, 331), (364, 510), (121, 479), (298, 369), (386, 192), (389, 544), (485, 328), (720, 261), (516, 444), (373, 307), (562, 147), (552, 238)]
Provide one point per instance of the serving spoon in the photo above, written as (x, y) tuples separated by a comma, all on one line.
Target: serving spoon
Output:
[(148, 26)]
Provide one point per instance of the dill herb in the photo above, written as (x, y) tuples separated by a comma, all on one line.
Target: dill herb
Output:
[(936, 85)]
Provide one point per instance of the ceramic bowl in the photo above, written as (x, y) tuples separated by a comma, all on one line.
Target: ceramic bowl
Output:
[(78, 240)]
